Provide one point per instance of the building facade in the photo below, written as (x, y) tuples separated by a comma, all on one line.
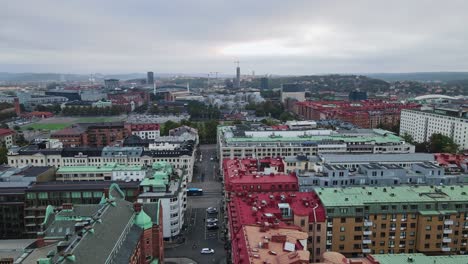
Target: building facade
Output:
[(400, 219), (168, 187), (182, 157), (259, 142), (7, 137), (108, 172), (421, 125)]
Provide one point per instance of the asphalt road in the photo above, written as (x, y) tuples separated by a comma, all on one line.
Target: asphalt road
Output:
[(196, 235)]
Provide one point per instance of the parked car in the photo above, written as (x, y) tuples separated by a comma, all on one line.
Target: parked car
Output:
[(211, 210), (211, 220), (212, 226), (207, 251)]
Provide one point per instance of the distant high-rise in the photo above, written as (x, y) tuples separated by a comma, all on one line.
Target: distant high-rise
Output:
[(357, 95), (237, 82), (111, 84), (264, 83), (150, 78)]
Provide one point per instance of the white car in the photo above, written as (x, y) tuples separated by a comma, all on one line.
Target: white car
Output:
[(207, 251)]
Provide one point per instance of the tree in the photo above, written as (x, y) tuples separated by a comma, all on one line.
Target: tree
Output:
[(168, 126), (3, 154), (441, 143), (408, 138), (285, 116), (21, 141)]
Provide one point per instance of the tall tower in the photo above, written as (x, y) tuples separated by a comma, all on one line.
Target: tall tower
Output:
[(237, 83), (150, 78)]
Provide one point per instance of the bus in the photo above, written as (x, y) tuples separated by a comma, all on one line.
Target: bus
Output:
[(194, 192)]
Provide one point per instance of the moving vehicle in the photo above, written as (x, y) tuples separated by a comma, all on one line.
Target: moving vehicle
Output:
[(194, 192), (207, 251)]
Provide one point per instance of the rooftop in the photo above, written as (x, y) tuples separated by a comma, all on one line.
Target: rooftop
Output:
[(368, 158), (109, 167), (418, 259), (281, 246), (359, 196)]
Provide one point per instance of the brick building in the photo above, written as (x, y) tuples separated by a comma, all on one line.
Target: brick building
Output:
[(91, 134), (365, 114)]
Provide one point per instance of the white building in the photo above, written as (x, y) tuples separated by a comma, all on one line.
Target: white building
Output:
[(181, 158), (168, 186), (421, 125), (107, 172), (259, 142)]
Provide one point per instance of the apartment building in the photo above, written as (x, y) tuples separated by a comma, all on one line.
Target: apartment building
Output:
[(258, 142), (91, 134), (276, 210), (398, 219), (144, 130), (7, 137), (182, 156), (421, 125), (353, 161), (375, 174), (364, 114), (169, 187), (107, 172)]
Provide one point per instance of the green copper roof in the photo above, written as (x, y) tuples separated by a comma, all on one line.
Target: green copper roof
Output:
[(106, 168), (359, 196), (143, 220), (420, 259)]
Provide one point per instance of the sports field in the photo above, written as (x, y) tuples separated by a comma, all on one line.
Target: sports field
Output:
[(56, 123)]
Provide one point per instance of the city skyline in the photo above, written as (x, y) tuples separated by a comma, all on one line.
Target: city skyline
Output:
[(270, 37)]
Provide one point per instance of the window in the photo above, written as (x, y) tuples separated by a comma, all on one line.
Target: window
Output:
[(428, 227), (342, 229), (342, 238)]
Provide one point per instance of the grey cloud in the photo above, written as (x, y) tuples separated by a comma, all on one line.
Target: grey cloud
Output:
[(281, 37)]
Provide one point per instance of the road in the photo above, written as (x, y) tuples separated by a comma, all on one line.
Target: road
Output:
[(197, 236)]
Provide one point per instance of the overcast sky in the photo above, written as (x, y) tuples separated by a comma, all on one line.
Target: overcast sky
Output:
[(198, 36)]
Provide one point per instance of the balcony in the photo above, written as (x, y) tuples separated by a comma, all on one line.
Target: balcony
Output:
[(392, 246), (401, 245), (402, 237), (368, 223), (448, 222), (392, 237), (393, 219), (367, 233), (446, 240), (367, 241), (404, 219), (445, 249), (447, 231), (366, 250), (402, 228), (463, 244), (329, 224), (329, 233), (329, 242), (393, 228), (465, 235)]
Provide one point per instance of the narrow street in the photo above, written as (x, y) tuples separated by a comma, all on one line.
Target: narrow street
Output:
[(197, 236)]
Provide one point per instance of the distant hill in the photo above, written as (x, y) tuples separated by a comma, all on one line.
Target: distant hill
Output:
[(421, 76), (334, 82)]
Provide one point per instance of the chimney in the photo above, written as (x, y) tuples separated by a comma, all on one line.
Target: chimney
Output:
[(40, 240), (167, 188), (106, 193), (17, 106), (137, 207)]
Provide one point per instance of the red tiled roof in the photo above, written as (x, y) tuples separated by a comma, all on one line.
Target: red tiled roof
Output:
[(6, 132)]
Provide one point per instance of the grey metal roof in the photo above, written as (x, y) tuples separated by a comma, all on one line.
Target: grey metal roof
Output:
[(351, 158)]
